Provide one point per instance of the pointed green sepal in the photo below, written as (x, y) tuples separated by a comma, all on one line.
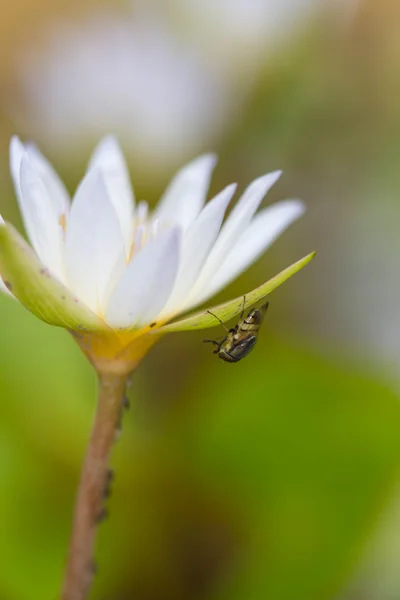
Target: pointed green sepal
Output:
[(37, 289), (228, 310)]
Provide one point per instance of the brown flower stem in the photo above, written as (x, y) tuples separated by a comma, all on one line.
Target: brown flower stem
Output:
[(89, 507)]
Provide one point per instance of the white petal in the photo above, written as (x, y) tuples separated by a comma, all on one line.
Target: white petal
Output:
[(147, 282), (197, 243), (260, 234), (95, 255), (55, 187), (40, 217), (236, 223), (109, 158), (4, 289), (17, 151), (36, 288), (186, 194)]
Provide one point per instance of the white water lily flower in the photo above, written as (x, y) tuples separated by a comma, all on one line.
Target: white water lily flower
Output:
[(104, 263)]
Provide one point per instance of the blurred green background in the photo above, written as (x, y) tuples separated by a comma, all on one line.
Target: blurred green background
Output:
[(277, 477)]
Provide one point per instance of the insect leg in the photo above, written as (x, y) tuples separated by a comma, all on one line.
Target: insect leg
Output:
[(212, 342), (216, 344)]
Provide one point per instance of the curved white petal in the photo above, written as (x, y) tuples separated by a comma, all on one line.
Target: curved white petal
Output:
[(17, 151), (94, 253), (260, 234), (236, 223), (186, 194), (109, 158), (197, 243), (54, 186), (147, 282), (34, 286), (40, 217), (4, 289)]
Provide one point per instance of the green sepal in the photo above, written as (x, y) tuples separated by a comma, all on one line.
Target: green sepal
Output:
[(228, 310), (38, 290)]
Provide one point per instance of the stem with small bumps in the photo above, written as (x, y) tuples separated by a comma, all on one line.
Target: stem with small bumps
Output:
[(95, 478)]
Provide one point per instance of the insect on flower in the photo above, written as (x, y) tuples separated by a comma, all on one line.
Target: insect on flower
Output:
[(241, 339), (119, 277)]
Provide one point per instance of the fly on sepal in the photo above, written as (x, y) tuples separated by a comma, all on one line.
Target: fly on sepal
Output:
[(241, 339)]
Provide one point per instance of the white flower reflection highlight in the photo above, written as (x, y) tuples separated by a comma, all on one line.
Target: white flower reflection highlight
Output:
[(129, 266)]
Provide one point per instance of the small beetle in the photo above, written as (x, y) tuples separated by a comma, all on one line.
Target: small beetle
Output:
[(241, 339)]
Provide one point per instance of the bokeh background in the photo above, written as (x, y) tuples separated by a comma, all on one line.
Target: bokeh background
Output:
[(276, 478)]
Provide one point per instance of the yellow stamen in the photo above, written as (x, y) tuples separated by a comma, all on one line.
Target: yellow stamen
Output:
[(63, 221)]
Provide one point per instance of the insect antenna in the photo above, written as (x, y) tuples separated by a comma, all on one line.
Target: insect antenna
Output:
[(218, 319), (244, 302)]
